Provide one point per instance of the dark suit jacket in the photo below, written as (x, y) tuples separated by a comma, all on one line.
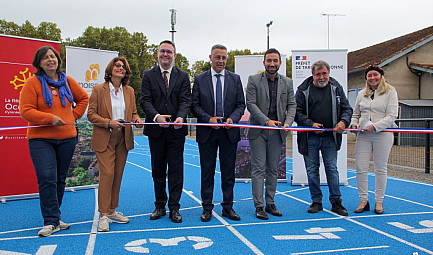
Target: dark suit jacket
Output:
[(203, 103), (154, 99), (100, 112)]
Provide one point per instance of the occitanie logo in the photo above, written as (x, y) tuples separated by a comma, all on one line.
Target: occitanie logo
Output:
[(19, 80), (92, 72)]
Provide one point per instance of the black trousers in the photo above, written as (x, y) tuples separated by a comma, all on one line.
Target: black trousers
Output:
[(227, 156), (167, 150)]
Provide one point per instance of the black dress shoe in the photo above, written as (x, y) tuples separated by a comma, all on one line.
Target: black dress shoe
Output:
[(365, 208), (272, 209), (377, 211), (338, 208), (315, 207), (231, 214), (206, 216), (175, 216), (158, 213), (260, 213)]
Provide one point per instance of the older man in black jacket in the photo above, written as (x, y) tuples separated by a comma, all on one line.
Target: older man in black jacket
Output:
[(321, 103)]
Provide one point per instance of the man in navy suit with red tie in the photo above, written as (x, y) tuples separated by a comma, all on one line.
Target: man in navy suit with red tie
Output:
[(218, 97), (166, 97)]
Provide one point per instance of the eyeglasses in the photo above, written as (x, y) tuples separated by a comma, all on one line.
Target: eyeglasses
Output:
[(169, 52), (120, 66), (220, 57)]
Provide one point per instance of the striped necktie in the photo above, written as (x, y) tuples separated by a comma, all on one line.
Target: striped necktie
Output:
[(166, 81)]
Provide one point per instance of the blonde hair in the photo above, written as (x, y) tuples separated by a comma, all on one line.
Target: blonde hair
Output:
[(382, 88)]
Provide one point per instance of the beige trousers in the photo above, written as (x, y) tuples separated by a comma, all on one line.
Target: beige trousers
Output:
[(111, 163), (378, 144)]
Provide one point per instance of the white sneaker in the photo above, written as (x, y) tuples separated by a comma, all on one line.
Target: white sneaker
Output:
[(48, 230), (63, 225), (118, 217), (104, 225)]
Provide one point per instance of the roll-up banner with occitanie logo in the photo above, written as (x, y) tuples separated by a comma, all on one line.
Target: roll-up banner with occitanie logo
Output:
[(17, 175)]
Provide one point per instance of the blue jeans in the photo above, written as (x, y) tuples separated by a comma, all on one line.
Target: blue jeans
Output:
[(51, 159), (312, 163)]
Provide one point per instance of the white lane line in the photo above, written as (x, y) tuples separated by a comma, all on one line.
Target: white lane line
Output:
[(340, 250), (92, 238), (211, 226), (189, 164), (138, 153), (397, 198), (371, 228), (142, 167), (250, 245), (290, 191), (396, 178)]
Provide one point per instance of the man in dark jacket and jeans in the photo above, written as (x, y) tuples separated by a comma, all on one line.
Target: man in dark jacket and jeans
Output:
[(321, 103)]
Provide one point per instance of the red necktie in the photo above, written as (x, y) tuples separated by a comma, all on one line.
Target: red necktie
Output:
[(166, 81)]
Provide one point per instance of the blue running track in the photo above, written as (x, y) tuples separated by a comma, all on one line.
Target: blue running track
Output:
[(406, 227)]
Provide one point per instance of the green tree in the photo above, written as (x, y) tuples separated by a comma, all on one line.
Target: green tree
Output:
[(182, 63), (198, 67), (45, 30), (81, 177), (289, 67), (84, 162), (9, 28)]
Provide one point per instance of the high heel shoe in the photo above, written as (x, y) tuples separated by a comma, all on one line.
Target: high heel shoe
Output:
[(365, 208), (377, 211)]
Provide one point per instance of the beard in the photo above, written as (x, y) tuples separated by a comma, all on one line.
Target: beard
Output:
[(272, 71), (321, 84)]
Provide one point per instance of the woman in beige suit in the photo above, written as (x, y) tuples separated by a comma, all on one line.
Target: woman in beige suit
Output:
[(376, 109), (112, 104)]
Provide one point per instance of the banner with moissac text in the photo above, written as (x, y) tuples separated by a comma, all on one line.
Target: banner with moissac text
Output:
[(87, 67)]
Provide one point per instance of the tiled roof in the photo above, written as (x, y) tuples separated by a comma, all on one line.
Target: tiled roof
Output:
[(360, 59)]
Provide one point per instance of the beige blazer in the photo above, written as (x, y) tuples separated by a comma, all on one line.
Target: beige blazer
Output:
[(100, 113), (382, 111)]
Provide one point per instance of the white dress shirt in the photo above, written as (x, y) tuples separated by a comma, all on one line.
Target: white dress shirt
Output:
[(117, 102)]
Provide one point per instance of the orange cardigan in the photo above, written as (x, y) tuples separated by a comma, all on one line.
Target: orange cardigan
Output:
[(34, 109)]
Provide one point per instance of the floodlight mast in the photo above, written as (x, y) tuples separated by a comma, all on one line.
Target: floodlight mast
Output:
[(173, 22), (331, 14)]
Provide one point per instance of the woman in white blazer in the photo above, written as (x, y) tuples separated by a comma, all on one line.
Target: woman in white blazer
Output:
[(376, 109)]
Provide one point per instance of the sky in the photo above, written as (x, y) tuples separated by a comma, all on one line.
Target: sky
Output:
[(237, 24)]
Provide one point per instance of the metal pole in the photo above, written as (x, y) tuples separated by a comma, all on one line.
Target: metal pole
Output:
[(328, 32), (327, 15), (267, 47), (173, 22), (267, 26), (427, 149)]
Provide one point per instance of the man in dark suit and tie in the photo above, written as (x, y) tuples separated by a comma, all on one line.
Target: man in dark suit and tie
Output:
[(271, 102), (218, 97), (166, 97)]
